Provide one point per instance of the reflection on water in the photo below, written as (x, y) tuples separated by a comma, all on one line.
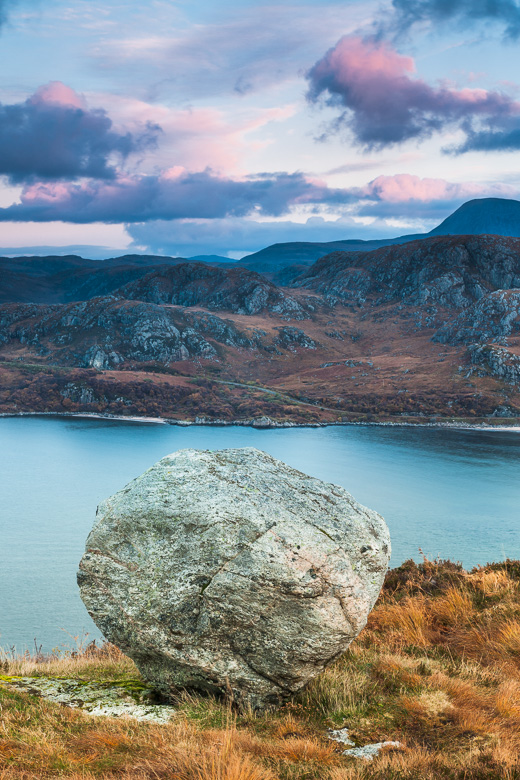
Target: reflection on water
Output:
[(453, 493)]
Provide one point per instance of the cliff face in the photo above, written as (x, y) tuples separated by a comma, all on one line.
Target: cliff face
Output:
[(193, 284), (450, 272)]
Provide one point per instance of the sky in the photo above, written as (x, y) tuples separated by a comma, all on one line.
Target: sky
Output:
[(187, 128)]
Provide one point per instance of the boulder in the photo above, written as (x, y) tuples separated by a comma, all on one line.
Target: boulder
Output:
[(231, 572)]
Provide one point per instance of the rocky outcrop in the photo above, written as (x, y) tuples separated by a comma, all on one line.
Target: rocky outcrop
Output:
[(103, 333), (194, 284), (497, 362), (291, 338), (493, 318), (224, 331), (230, 572), (447, 271)]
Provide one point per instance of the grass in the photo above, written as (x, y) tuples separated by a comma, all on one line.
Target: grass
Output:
[(437, 668)]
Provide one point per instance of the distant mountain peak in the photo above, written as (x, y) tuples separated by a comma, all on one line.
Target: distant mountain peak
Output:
[(491, 216)]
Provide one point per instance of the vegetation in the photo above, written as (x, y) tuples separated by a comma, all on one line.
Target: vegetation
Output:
[(437, 668)]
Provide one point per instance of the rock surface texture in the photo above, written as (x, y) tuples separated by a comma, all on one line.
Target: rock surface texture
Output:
[(231, 572)]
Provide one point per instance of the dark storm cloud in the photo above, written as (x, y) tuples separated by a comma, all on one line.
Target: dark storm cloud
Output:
[(407, 13), (192, 195), (382, 104), (47, 138)]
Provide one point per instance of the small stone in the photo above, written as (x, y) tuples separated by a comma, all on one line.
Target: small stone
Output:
[(368, 752)]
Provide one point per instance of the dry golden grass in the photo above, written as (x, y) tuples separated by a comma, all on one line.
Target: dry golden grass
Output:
[(437, 669), (91, 661)]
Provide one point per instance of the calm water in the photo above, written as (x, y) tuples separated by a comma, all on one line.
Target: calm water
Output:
[(452, 493)]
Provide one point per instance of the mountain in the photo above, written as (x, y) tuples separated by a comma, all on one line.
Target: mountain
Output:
[(194, 284), (284, 262), (212, 260), (494, 216), (64, 278)]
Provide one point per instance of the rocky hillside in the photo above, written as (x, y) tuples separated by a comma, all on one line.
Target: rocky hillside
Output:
[(451, 272), (495, 317), (108, 332), (193, 284), (427, 329)]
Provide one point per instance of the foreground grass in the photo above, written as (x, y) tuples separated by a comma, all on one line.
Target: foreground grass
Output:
[(437, 668)]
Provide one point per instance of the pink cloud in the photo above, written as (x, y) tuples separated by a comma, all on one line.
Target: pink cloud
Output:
[(53, 136), (403, 188), (59, 94), (200, 137), (381, 102), (172, 195)]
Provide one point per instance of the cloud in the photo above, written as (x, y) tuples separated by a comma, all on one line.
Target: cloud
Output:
[(404, 187), (408, 13), (388, 205), (404, 196), (236, 237), (53, 135), (200, 136), (203, 197), (236, 50), (383, 104), (502, 136), (175, 194)]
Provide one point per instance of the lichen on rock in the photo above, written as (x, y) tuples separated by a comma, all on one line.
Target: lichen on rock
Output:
[(112, 700)]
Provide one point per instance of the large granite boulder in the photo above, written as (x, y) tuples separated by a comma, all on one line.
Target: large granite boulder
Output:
[(231, 572)]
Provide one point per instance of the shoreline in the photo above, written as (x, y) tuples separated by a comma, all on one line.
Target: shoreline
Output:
[(263, 423)]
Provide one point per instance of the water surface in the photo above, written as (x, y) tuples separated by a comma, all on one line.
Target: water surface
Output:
[(452, 493)]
